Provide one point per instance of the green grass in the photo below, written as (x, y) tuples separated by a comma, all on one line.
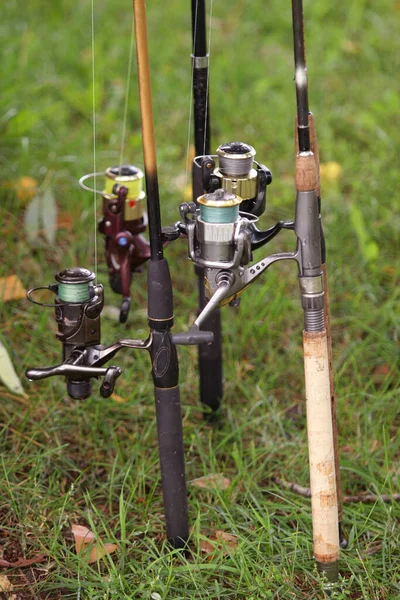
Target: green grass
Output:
[(96, 462)]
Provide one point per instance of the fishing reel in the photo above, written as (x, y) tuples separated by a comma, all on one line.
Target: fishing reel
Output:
[(124, 220), (78, 305), (234, 170), (221, 240)]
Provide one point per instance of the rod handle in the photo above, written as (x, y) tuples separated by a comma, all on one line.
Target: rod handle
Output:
[(306, 176), (321, 448), (314, 146)]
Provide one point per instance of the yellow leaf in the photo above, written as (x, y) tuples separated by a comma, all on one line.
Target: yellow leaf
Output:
[(11, 288), (118, 399), (330, 171), (215, 481)]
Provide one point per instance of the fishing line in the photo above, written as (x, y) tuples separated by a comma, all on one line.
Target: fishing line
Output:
[(94, 141), (208, 75), (190, 102), (127, 86)]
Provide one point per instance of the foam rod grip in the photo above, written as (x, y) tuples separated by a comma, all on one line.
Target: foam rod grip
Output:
[(321, 448), (172, 461)]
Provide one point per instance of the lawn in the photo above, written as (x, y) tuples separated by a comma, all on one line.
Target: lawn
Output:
[(95, 462)]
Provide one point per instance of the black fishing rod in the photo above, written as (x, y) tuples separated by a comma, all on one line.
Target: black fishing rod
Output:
[(78, 304), (209, 356), (222, 237)]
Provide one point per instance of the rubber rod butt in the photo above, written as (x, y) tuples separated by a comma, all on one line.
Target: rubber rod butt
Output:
[(170, 444)]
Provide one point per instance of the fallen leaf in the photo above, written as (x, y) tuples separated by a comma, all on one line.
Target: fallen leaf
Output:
[(98, 552), (330, 171), (85, 538), (11, 288), (64, 221), (5, 584), (229, 538), (22, 562), (7, 373), (206, 546), (118, 399), (26, 188), (214, 481), (221, 540)]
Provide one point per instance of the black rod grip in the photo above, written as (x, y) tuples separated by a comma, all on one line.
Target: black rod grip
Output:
[(172, 461), (160, 299)]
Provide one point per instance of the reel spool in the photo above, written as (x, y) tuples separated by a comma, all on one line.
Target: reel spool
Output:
[(131, 178), (237, 173)]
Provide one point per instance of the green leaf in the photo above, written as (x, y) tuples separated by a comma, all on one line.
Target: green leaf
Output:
[(7, 373), (48, 215), (32, 219)]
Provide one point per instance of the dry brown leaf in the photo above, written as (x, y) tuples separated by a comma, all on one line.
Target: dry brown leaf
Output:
[(97, 552), (83, 537), (214, 481), (221, 540), (64, 221), (23, 562), (206, 546), (230, 539), (5, 584), (11, 288)]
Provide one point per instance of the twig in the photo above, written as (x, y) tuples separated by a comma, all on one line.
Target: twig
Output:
[(363, 498)]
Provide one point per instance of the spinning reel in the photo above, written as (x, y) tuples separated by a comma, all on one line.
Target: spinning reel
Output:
[(78, 305), (222, 233), (236, 174), (124, 220)]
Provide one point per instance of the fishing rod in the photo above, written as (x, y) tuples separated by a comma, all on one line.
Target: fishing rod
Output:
[(222, 236), (209, 356), (78, 304), (231, 168), (302, 110), (321, 407)]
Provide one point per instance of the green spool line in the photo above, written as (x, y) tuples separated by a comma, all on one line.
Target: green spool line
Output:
[(78, 292), (213, 214)]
